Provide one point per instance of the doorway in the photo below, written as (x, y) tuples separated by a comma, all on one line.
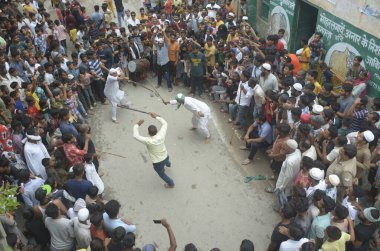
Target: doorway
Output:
[(306, 23)]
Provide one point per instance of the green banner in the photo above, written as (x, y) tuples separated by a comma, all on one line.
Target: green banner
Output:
[(281, 17), (343, 42)]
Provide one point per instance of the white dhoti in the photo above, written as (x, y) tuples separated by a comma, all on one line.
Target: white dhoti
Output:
[(115, 95)]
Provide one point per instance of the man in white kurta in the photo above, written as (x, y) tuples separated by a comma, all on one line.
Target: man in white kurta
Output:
[(35, 152), (290, 167), (113, 92), (201, 112)]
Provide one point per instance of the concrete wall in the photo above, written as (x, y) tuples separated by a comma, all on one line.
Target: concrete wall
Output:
[(349, 11)]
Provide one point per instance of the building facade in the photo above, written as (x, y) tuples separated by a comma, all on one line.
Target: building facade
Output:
[(349, 28)]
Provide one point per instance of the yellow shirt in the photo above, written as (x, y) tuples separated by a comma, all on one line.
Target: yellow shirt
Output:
[(220, 22), (305, 56), (210, 54), (156, 144), (317, 88), (230, 38), (339, 245)]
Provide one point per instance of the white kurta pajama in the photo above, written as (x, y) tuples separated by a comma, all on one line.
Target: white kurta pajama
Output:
[(34, 154), (114, 94), (195, 106), (289, 170)]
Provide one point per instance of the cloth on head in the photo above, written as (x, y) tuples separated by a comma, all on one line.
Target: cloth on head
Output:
[(245, 18), (113, 71), (368, 215), (79, 204), (368, 135), (180, 99), (148, 247), (160, 40), (306, 118), (266, 66), (83, 214), (316, 173), (317, 109), (297, 87), (47, 188), (231, 14), (292, 144), (70, 76), (334, 180)]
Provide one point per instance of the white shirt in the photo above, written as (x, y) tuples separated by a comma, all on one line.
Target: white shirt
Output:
[(270, 83), (93, 176), (194, 106), (49, 78), (133, 22), (321, 186), (283, 41), (289, 170), (244, 99), (292, 245), (212, 9), (258, 95), (34, 153), (334, 154), (82, 234), (311, 153), (155, 144), (351, 209), (29, 191)]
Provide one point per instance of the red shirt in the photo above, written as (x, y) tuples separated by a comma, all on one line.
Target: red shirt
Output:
[(101, 234), (6, 143), (168, 7), (295, 62), (73, 154)]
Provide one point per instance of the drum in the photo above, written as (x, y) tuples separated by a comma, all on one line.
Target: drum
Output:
[(138, 65)]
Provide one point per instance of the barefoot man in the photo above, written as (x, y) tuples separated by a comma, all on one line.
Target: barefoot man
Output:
[(155, 144), (201, 113)]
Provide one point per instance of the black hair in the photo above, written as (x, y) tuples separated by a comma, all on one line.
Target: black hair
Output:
[(66, 137), (11, 239), (328, 86), (52, 211), (305, 144), (96, 218), (296, 111), (247, 245), (359, 58), (333, 131), (376, 116), (284, 129), (333, 233), (190, 247), (87, 157), (129, 240), (78, 169), (93, 191), (347, 87), (304, 128), (24, 175), (300, 204), (313, 74), (350, 150), (118, 234), (112, 208), (309, 246), (152, 130), (296, 232), (288, 211), (28, 214), (340, 212), (342, 140), (97, 245)]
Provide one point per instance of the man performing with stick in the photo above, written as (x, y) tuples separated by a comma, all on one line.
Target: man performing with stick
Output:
[(113, 93), (155, 144), (201, 113)]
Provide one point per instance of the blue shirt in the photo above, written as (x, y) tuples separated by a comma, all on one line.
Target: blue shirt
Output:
[(67, 127), (162, 55), (265, 131), (78, 188), (110, 224)]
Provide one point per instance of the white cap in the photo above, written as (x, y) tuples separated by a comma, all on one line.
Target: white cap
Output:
[(83, 214), (70, 76), (334, 179), (292, 144), (368, 135), (245, 18), (297, 87), (36, 66), (160, 40), (266, 66), (316, 173), (112, 71), (231, 14), (317, 109)]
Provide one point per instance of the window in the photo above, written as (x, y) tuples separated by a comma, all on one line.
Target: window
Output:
[(264, 9)]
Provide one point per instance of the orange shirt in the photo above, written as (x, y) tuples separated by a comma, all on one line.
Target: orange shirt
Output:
[(173, 51), (295, 62)]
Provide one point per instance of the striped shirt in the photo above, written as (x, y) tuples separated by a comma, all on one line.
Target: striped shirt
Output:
[(357, 119), (95, 66)]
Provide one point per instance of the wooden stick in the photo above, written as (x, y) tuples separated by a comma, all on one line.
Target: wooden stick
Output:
[(155, 90), (113, 154), (136, 110)]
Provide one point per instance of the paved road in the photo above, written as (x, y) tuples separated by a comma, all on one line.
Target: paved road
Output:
[(210, 206)]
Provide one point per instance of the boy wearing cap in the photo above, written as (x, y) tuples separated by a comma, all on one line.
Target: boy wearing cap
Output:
[(82, 229), (363, 156), (267, 80)]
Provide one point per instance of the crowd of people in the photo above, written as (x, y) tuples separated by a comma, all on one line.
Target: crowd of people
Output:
[(322, 141)]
